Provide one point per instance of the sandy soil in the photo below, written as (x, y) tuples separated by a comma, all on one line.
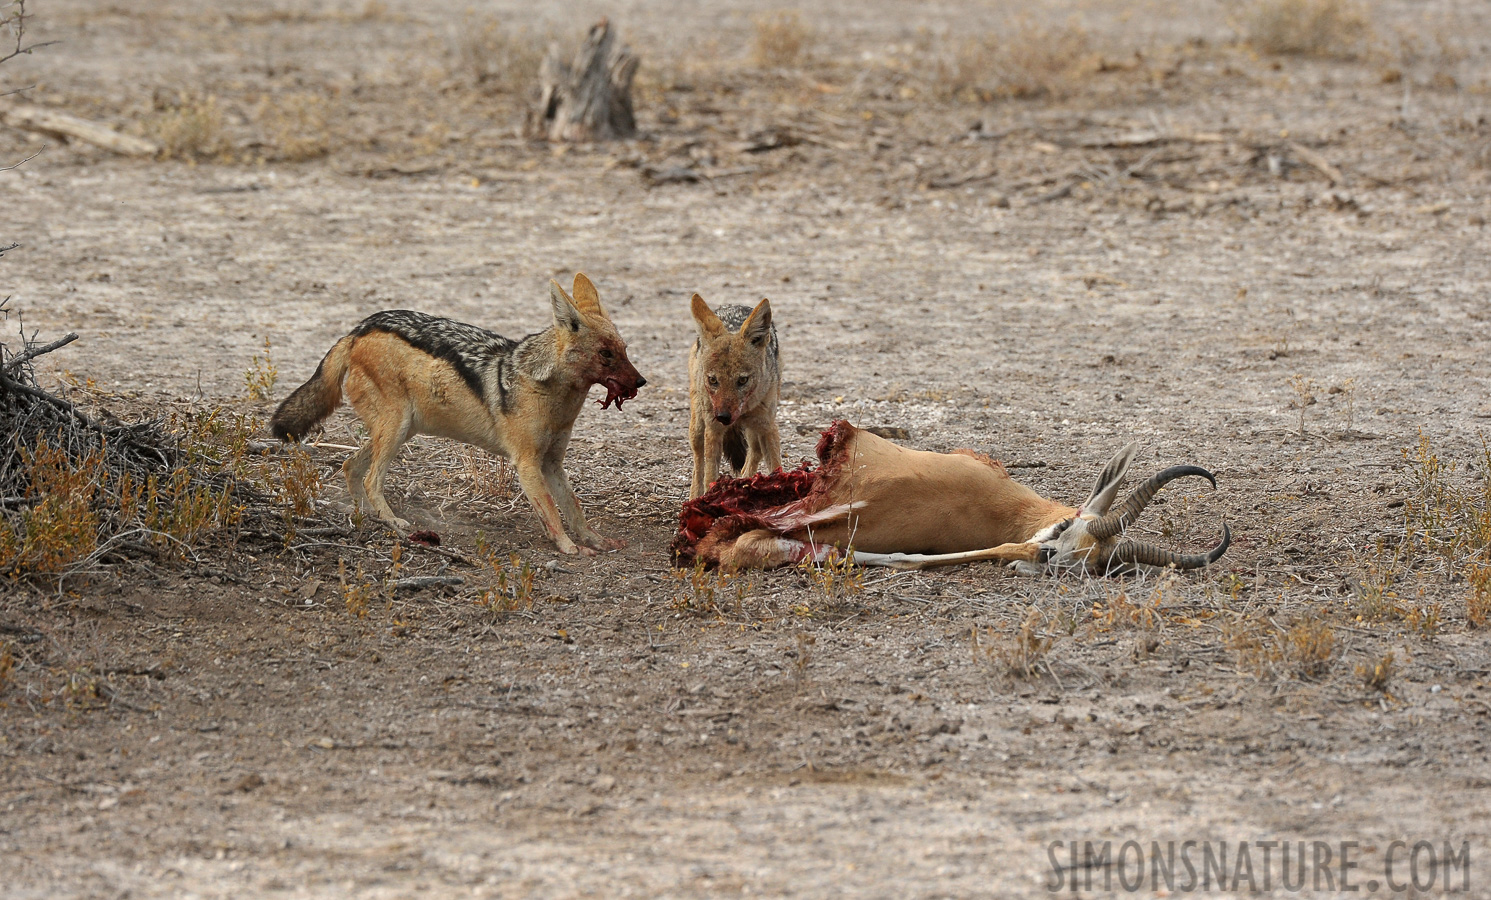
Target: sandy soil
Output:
[(1146, 256)]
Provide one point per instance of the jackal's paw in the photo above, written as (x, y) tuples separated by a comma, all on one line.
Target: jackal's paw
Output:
[(568, 547), (596, 542)]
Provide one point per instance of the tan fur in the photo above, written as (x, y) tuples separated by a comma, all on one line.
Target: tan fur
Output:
[(885, 500), (399, 390), (916, 501), (718, 361)]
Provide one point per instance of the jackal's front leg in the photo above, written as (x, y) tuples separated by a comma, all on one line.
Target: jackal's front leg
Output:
[(569, 505), (536, 486), (709, 444)]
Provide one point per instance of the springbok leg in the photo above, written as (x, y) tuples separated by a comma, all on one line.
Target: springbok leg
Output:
[(1024, 552)]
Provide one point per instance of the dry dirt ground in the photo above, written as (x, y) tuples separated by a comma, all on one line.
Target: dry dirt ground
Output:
[(1177, 240)]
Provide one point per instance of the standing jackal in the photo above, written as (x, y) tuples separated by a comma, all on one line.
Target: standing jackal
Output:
[(407, 373), (735, 381)]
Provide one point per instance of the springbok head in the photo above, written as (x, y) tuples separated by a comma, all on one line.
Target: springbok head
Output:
[(1093, 538)]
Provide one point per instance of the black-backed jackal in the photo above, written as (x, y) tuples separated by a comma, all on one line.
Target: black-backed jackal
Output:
[(735, 381), (407, 373)]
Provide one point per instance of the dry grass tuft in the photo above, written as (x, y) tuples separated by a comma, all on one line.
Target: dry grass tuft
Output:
[(705, 592), (486, 53), (294, 127), (1020, 655), (486, 476), (261, 375), (1378, 674), (835, 581), (781, 39), (1446, 537), (1026, 60), (1331, 29), (511, 587), (1307, 649), (1310, 648), (191, 127), (1478, 605)]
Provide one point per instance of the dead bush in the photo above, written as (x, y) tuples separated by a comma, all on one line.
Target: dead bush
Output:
[(80, 493), (1333, 29)]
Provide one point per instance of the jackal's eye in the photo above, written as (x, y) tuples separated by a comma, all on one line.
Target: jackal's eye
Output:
[(713, 381), (741, 381), (606, 354)]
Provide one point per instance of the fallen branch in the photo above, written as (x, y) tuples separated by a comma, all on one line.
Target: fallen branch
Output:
[(69, 127)]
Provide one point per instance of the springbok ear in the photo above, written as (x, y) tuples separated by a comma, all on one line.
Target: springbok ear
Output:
[(566, 314), (1109, 482), (757, 326), (709, 324), (587, 299)]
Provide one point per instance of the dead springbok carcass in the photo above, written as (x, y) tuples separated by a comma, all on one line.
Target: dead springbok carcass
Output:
[(911, 509)]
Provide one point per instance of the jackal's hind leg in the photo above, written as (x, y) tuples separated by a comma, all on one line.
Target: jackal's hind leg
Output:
[(381, 451), (354, 470)]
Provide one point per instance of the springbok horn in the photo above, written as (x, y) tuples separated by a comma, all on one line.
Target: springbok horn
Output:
[(1118, 519), (1150, 555)]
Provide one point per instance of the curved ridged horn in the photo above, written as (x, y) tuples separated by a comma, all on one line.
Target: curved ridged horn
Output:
[(1118, 519), (1150, 555)]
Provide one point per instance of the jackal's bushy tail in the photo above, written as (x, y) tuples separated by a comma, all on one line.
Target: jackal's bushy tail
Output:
[(318, 398)]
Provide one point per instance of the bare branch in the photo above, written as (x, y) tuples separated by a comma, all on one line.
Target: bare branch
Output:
[(17, 166), (19, 20), (35, 351)]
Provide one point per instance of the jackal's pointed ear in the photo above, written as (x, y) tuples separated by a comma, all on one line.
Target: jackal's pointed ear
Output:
[(566, 314), (757, 326), (709, 324), (1109, 481), (587, 299)]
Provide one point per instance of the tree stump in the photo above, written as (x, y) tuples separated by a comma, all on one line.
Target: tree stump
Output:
[(590, 98)]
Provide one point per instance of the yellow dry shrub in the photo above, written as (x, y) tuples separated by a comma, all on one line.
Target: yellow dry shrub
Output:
[(781, 39), (1025, 60), (294, 126), (60, 527), (192, 128)]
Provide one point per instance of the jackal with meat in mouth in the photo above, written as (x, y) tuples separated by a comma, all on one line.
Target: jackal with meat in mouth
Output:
[(408, 373)]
